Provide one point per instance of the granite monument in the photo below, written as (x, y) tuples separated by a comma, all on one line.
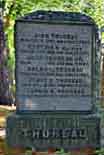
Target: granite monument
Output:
[(56, 55)]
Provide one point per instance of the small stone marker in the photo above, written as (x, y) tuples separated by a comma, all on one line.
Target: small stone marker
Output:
[(55, 82)]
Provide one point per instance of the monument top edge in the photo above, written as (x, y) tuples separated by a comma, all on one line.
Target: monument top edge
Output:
[(57, 16)]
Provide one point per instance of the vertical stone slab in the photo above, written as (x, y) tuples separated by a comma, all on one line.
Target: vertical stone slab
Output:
[(55, 82), (55, 54)]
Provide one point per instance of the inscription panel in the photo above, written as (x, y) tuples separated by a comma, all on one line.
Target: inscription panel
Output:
[(53, 66), (44, 131)]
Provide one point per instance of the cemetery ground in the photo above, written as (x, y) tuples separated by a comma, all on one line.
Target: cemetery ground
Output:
[(5, 150)]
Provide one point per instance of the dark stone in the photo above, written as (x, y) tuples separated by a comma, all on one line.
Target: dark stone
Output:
[(38, 31), (57, 112), (58, 15), (53, 130)]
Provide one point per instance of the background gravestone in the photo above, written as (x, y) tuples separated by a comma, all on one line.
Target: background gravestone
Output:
[(55, 82)]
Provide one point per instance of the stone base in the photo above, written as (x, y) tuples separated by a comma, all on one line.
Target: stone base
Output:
[(43, 130)]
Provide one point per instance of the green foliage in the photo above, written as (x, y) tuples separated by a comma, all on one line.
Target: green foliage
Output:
[(100, 152), (62, 152), (93, 8)]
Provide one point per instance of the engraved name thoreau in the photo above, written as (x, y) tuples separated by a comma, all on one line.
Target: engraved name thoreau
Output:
[(70, 133)]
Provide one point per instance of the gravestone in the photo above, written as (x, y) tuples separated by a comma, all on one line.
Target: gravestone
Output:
[(56, 55)]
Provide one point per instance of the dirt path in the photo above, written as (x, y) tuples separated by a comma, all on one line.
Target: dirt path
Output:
[(2, 132), (8, 107)]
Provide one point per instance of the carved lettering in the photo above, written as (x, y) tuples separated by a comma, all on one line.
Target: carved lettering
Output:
[(62, 59)]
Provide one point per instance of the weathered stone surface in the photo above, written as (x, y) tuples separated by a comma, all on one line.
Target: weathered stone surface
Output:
[(42, 15), (53, 130), (55, 54)]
